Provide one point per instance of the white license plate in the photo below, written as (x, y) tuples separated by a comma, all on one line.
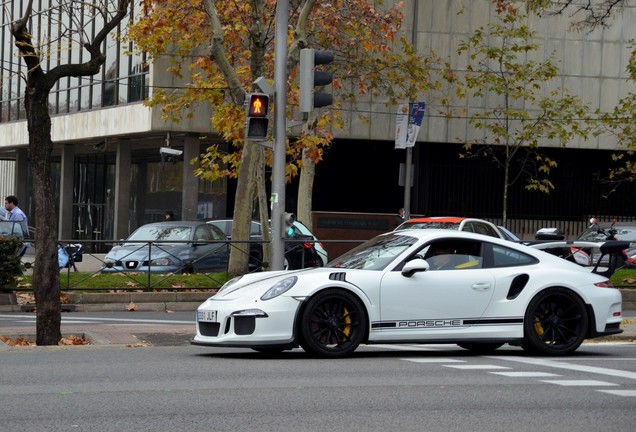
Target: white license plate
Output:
[(206, 315)]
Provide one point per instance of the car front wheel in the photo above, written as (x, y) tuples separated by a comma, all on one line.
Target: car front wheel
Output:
[(555, 323), (333, 324)]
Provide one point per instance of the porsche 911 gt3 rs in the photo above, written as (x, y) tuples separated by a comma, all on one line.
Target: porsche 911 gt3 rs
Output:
[(416, 286)]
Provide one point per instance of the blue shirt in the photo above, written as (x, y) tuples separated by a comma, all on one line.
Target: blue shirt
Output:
[(18, 215)]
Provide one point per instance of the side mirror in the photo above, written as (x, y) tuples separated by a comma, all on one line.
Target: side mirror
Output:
[(414, 266)]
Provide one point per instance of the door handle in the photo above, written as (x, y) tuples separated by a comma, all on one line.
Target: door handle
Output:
[(481, 286)]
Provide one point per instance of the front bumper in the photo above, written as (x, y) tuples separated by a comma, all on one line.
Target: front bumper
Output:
[(251, 324)]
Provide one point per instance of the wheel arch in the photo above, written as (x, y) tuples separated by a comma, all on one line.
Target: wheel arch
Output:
[(362, 299), (588, 307)]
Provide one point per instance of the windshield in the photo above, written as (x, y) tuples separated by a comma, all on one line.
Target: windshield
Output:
[(9, 228), (161, 233), (429, 225), (375, 254)]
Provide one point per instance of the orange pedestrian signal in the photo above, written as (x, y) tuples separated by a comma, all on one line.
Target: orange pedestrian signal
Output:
[(256, 122), (258, 105)]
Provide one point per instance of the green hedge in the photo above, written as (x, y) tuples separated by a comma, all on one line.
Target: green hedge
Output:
[(10, 265)]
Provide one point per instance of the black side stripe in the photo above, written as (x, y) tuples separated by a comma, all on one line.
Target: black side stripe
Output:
[(445, 322)]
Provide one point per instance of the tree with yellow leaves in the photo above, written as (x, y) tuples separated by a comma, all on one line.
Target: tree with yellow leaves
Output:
[(222, 47)]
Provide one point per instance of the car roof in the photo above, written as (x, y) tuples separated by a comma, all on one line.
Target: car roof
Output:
[(436, 233), (452, 219), (174, 223), (441, 234)]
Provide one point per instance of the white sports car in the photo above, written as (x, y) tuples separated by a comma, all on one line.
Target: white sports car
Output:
[(416, 286)]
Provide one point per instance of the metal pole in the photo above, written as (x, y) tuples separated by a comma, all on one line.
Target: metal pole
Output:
[(409, 150), (407, 183), (278, 167)]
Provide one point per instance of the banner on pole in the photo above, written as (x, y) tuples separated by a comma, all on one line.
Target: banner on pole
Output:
[(408, 123)]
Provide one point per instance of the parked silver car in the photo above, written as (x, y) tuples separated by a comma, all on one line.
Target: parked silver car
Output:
[(170, 247)]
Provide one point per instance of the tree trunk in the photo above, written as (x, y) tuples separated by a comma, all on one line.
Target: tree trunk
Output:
[(46, 273), (243, 204), (305, 189)]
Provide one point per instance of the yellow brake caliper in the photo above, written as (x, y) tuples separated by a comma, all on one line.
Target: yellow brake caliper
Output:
[(347, 319), (537, 326)]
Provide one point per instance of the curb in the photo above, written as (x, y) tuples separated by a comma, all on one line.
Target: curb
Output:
[(162, 301)]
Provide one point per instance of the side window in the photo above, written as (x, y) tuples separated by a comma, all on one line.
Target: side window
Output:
[(255, 229), (454, 255), (202, 233), (505, 257), (484, 229), (216, 233)]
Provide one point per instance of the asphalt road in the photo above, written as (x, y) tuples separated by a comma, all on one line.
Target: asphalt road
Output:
[(380, 388)]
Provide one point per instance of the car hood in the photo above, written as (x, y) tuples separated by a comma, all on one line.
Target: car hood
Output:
[(256, 284), (140, 251)]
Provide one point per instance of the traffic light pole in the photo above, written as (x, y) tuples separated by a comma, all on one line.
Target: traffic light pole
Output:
[(280, 108)]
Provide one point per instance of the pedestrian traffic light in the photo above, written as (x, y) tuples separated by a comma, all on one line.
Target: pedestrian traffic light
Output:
[(310, 78), (256, 116)]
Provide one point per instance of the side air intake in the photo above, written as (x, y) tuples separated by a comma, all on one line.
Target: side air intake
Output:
[(517, 285)]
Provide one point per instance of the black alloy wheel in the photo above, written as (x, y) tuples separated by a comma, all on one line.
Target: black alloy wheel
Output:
[(556, 322), (333, 324)]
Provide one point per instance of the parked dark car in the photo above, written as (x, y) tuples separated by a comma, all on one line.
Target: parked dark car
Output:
[(298, 253), (170, 247)]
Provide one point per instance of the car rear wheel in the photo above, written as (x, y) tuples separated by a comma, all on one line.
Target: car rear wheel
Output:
[(556, 322), (333, 324), (480, 347)]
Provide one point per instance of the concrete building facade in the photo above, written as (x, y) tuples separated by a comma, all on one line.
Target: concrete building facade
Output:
[(111, 177)]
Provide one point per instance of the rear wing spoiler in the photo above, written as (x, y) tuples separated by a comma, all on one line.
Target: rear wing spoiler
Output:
[(615, 250), (610, 251)]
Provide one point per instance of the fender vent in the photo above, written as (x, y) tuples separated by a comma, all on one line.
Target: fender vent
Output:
[(517, 285), (337, 276)]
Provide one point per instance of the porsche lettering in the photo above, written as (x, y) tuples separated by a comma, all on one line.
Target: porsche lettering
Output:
[(430, 323)]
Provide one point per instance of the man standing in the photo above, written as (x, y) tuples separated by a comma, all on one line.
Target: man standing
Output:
[(14, 213)]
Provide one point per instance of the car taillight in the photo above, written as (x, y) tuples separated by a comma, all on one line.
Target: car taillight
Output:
[(604, 284)]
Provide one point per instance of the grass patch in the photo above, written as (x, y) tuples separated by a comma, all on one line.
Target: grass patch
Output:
[(130, 281), (624, 278)]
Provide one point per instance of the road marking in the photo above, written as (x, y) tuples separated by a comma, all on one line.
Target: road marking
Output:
[(570, 366), (437, 347), (619, 392), (579, 383), (526, 374), (433, 360), (477, 367)]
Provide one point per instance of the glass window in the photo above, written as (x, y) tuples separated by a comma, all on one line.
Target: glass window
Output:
[(375, 254), (454, 255), (202, 233), (505, 257), (121, 80), (482, 228), (255, 229)]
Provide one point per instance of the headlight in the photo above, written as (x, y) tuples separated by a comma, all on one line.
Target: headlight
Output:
[(280, 287), (161, 262), (229, 283)]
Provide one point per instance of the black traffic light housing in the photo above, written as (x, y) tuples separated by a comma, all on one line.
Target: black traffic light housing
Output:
[(256, 110), (310, 78)]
